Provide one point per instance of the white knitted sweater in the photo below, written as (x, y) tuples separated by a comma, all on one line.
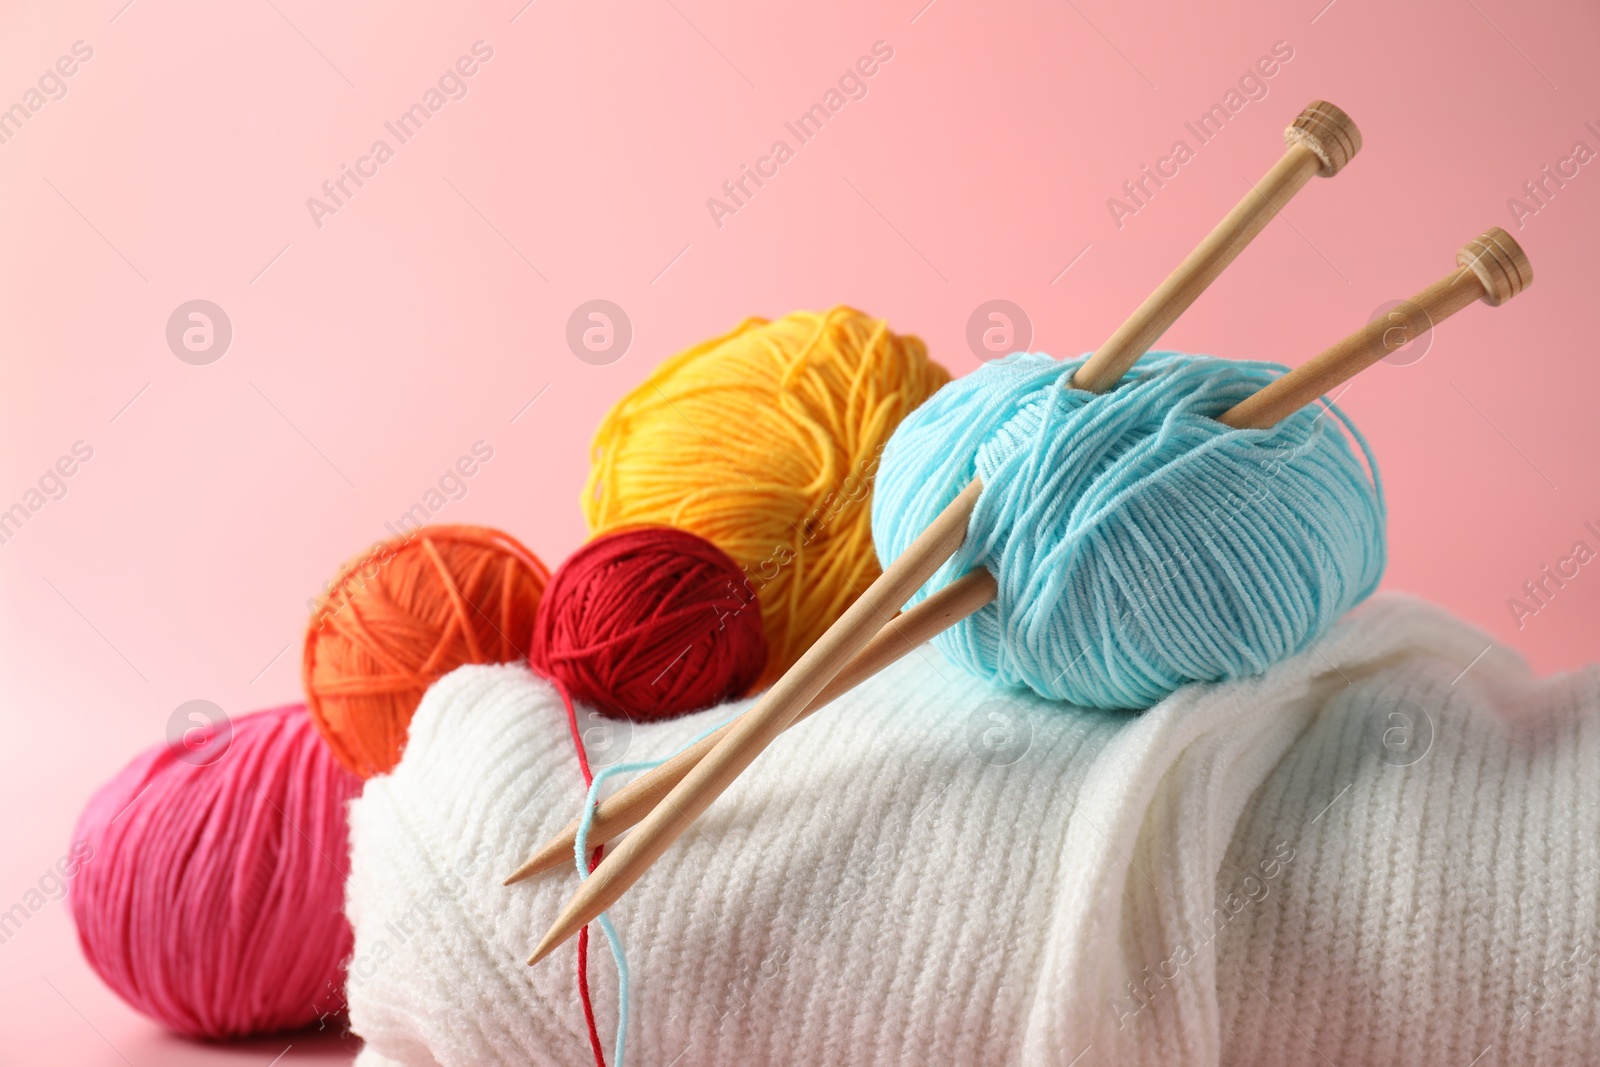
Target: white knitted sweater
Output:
[(1371, 855)]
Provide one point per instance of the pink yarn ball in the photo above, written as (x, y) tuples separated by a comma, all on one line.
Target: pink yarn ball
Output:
[(213, 901)]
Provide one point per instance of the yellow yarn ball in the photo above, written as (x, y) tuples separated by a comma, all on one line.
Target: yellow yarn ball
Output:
[(766, 443)]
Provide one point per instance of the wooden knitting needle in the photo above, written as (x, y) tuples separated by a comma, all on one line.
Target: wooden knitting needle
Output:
[(904, 632), (1321, 141), (1493, 269)]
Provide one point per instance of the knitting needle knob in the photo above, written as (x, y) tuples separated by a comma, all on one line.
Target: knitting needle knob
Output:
[(1329, 133), (1491, 267), (1321, 141), (1499, 262)]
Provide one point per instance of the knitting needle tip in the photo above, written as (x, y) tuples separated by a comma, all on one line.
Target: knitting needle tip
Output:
[(558, 849), (551, 942), (527, 870)]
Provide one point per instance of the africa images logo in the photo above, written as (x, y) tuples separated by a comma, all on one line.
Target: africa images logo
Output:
[(451, 85), (851, 85)]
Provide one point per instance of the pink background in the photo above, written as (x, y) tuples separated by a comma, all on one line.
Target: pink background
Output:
[(369, 353)]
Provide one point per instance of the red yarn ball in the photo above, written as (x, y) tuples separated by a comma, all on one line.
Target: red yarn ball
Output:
[(649, 623)]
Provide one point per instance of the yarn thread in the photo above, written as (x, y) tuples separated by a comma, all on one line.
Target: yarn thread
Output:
[(580, 848), (649, 623), (589, 863), (1139, 545), (403, 615), (765, 441), (214, 902)]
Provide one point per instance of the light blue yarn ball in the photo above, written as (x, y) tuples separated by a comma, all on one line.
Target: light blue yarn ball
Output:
[(1138, 544)]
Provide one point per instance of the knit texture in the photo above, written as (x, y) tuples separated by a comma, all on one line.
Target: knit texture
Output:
[(1361, 856)]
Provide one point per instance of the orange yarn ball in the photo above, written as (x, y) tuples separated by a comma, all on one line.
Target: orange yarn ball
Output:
[(405, 614)]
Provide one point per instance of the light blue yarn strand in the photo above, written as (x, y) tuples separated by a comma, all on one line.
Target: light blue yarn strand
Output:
[(1138, 544), (580, 851), (619, 1048)]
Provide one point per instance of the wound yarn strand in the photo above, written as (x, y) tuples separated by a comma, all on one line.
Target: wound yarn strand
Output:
[(1139, 545)]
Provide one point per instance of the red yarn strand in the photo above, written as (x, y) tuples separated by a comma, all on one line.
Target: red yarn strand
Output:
[(594, 861)]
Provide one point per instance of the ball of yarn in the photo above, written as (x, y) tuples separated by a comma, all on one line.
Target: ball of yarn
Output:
[(766, 442), (650, 623), (1138, 544), (212, 899), (401, 616)]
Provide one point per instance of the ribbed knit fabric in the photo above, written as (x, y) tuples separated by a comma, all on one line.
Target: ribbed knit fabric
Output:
[(933, 871)]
